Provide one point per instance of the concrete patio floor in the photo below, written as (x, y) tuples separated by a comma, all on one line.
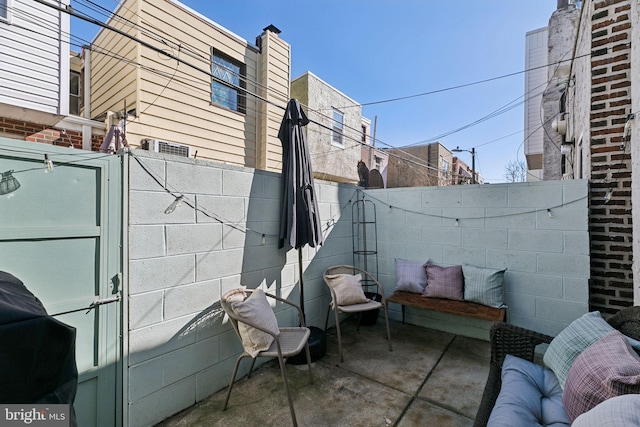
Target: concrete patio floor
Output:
[(431, 378)]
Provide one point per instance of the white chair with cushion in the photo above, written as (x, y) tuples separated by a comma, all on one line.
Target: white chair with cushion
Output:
[(347, 296), (256, 325)]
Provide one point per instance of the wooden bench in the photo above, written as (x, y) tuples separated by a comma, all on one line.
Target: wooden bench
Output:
[(461, 308)]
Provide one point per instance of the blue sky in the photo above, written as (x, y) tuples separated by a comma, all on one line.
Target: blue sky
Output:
[(375, 50)]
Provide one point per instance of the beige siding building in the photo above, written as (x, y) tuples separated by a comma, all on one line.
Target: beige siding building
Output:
[(191, 86), (335, 133)]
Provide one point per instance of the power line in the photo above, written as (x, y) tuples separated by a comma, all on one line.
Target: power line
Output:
[(179, 60)]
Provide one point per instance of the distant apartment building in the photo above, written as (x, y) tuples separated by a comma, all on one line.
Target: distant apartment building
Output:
[(535, 82), (225, 102), (337, 134), (462, 173), (375, 159), (420, 166)]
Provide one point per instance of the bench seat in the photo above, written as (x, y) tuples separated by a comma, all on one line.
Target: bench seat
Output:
[(461, 308)]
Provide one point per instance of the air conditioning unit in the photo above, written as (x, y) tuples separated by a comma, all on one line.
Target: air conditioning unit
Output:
[(160, 146)]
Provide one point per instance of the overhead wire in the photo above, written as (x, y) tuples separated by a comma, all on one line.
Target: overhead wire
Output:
[(258, 97)]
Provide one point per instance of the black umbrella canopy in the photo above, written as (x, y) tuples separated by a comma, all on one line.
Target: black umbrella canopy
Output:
[(300, 219)]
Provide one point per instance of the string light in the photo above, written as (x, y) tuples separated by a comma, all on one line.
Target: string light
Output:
[(175, 204), (549, 213), (607, 195), (48, 163)]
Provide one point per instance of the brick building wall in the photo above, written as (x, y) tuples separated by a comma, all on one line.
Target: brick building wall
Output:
[(44, 134), (611, 284)]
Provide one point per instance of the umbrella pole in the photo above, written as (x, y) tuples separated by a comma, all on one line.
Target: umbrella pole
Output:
[(301, 285)]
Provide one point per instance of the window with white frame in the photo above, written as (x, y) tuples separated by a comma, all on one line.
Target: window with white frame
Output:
[(377, 162), (338, 128), (444, 167), (5, 7), (228, 82), (75, 98)]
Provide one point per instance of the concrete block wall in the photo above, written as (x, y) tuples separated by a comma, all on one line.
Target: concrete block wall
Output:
[(181, 349), (223, 236), (546, 253)]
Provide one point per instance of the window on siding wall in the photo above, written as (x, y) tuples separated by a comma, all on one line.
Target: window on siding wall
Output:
[(338, 127), (5, 6), (226, 88), (377, 162), (75, 99)]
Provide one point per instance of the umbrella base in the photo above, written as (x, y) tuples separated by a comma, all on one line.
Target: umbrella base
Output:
[(317, 347)]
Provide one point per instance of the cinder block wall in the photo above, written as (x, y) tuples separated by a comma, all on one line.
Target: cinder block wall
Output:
[(180, 347), (223, 236), (546, 253)]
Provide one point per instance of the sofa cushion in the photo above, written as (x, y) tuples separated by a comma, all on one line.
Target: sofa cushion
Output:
[(348, 288), (444, 282), (483, 285), (607, 368), (410, 276), (572, 340), (615, 412), (530, 396)]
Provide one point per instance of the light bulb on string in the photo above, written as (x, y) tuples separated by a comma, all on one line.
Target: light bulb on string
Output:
[(48, 163), (176, 203)]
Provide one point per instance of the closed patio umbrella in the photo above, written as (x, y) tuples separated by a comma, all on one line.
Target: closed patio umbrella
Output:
[(299, 219)]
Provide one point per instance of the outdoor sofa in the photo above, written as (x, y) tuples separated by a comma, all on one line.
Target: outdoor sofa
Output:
[(594, 380)]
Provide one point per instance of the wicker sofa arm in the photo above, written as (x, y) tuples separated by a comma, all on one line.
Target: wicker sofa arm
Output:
[(505, 339), (510, 339)]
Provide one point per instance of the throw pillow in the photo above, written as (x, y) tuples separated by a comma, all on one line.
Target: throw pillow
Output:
[(410, 276), (483, 285), (607, 368), (529, 396), (347, 287), (572, 341), (615, 412), (444, 282), (256, 310)]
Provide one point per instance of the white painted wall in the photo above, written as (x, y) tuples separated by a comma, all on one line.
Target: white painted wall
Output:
[(499, 226), (181, 349), (34, 47), (534, 85)]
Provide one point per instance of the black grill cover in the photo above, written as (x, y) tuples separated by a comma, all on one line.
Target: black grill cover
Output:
[(37, 352)]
